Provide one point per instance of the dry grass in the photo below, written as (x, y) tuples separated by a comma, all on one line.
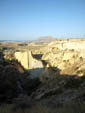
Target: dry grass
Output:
[(72, 107)]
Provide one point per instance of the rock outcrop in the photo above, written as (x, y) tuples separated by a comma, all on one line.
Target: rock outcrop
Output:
[(66, 55), (68, 44), (61, 54), (26, 59), (44, 78), (22, 57)]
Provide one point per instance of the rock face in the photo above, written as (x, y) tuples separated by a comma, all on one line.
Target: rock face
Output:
[(66, 55), (68, 44), (71, 45), (54, 87), (26, 59), (22, 57)]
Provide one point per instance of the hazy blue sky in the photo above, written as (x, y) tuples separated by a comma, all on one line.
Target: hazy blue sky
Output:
[(29, 19)]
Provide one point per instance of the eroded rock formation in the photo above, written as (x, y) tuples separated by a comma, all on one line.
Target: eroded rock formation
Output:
[(63, 54), (26, 59)]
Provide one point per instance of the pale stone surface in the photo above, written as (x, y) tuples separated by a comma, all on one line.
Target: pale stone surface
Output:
[(22, 57), (82, 54), (66, 55), (27, 60), (69, 55), (71, 44), (34, 66), (62, 54), (74, 45)]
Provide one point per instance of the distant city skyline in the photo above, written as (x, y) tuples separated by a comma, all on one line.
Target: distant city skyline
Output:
[(30, 19)]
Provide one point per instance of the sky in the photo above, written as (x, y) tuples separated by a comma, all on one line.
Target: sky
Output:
[(30, 19)]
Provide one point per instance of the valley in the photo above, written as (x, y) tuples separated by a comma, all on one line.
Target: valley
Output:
[(43, 77)]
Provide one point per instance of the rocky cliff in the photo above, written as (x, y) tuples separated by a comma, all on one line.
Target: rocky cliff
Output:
[(68, 44), (60, 82), (67, 55), (27, 60)]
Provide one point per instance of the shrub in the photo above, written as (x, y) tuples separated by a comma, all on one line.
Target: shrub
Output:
[(73, 83), (22, 101)]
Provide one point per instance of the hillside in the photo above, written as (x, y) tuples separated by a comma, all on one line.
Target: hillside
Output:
[(43, 77)]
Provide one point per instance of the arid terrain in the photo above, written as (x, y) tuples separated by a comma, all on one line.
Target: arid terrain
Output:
[(42, 76)]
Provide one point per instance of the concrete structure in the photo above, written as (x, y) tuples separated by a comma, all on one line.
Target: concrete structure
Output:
[(27, 61)]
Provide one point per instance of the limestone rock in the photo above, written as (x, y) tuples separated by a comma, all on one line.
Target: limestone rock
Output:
[(27, 60), (69, 55), (22, 57)]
